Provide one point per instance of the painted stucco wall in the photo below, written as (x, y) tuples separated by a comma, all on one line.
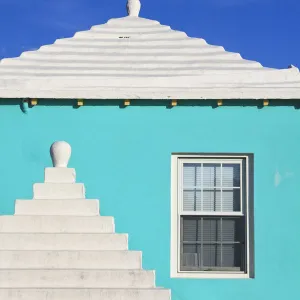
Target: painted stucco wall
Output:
[(123, 156)]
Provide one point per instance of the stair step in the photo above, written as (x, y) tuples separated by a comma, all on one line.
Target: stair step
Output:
[(63, 241), (58, 191), (70, 259), (60, 175), (57, 207), (84, 294), (77, 279), (56, 224)]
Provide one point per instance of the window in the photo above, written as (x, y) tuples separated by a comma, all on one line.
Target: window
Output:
[(212, 216)]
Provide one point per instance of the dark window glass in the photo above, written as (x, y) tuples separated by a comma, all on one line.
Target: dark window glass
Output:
[(212, 243)]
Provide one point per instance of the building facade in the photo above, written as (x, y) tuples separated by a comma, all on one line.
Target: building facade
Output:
[(193, 150)]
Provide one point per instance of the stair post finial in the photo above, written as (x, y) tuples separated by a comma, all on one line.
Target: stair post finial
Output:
[(133, 8), (60, 154)]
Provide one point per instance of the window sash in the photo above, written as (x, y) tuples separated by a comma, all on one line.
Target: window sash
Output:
[(214, 237), (182, 188)]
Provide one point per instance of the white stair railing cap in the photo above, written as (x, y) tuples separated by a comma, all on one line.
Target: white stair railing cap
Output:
[(133, 8), (60, 152)]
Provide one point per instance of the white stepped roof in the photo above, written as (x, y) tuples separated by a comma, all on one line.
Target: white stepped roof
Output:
[(137, 58)]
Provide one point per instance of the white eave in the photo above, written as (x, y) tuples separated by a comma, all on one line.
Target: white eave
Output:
[(136, 58)]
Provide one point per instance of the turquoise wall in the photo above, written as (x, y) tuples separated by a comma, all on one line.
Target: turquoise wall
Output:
[(123, 157)]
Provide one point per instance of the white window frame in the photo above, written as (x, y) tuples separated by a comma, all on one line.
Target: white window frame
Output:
[(177, 161)]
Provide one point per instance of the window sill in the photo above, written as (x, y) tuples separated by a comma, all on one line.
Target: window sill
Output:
[(212, 275)]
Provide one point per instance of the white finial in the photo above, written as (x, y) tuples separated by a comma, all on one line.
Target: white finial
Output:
[(133, 8), (60, 153)]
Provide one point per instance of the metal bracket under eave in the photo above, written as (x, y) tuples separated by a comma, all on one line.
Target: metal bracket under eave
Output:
[(266, 102), (126, 103), (33, 102), (174, 103), (80, 102)]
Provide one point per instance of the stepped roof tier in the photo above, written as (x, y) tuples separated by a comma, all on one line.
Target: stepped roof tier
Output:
[(137, 58)]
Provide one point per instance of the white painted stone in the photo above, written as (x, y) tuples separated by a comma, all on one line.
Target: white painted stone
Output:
[(60, 154), (56, 224), (57, 207), (76, 279), (58, 191), (154, 62), (60, 175), (133, 8), (63, 241), (84, 294), (58, 247), (110, 260)]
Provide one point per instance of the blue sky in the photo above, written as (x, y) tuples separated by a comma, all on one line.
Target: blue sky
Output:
[(267, 31)]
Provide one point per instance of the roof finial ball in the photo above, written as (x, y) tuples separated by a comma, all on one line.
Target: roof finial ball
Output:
[(60, 154), (133, 8)]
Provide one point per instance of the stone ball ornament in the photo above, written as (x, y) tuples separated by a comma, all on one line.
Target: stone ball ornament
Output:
[(60, 152)]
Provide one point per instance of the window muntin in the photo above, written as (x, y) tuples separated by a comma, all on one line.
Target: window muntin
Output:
[(211, 213)]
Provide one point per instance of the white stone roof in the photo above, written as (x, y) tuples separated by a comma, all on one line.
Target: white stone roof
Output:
[(137, 58)]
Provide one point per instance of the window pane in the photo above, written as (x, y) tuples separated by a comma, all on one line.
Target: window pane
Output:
[(212, 200), (191, 256), (212, 244), (211, 256), (191, 229), (191, 175), (190, 248), (211, 230), (231, 256), (231, 200), (231, 175), (211, 175), (232, 229), (191, 200)]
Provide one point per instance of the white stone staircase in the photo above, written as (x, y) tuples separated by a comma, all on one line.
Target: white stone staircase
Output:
[(58, 247)]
